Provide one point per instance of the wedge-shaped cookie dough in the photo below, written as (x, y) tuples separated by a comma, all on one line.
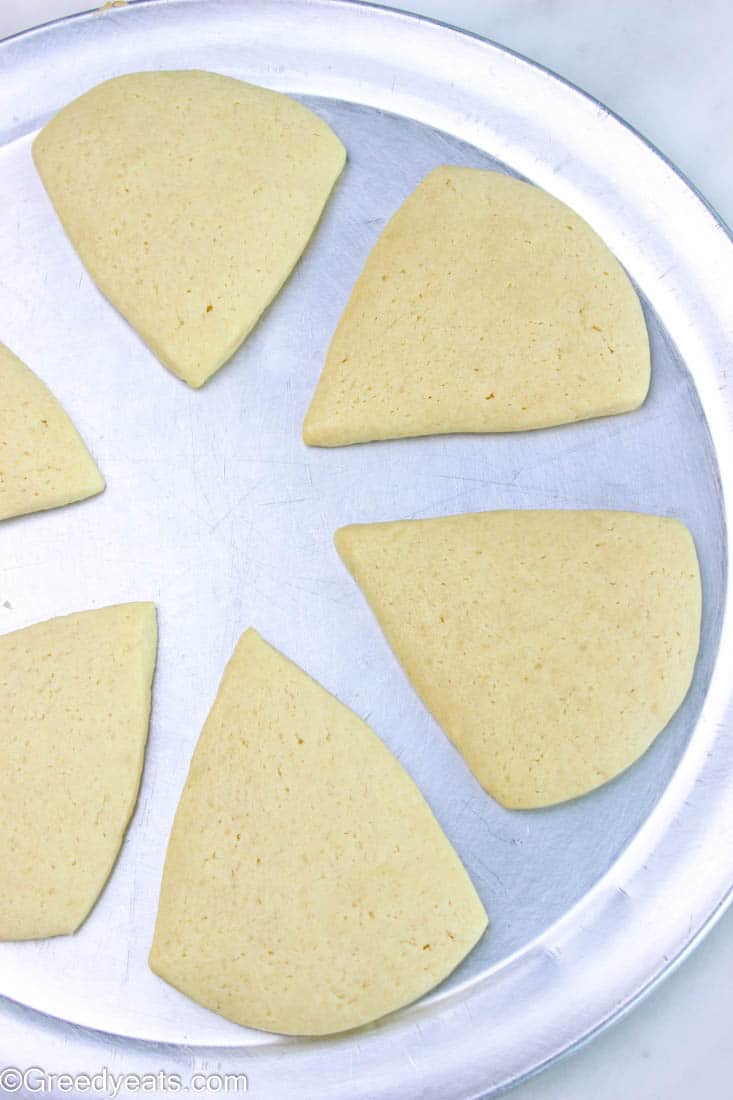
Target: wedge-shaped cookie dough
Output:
[(73, 726), (189, 197), (486, 305), (43, 461), (307, 888), (552, 647)]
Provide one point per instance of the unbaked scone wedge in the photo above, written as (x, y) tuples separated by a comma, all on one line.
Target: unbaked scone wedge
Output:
[(307, 888), (190, 197), (551, 646), (73, 728), (486, 305), (43, 460)]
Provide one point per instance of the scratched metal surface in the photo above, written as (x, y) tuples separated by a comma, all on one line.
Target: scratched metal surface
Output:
[(216, 510)]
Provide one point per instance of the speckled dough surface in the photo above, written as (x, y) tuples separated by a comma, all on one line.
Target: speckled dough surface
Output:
[(552, 647), (486, 305), (307, 887), (190, 197), (43, 460), (73, 729)]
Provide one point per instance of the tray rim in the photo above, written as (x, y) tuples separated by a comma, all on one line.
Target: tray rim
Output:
[(590, 900)]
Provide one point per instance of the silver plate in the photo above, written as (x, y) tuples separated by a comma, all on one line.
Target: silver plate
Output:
[(217, 511)]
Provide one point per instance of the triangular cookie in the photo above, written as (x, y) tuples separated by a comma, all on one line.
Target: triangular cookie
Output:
[(307, 887), (552, 647), (73, 728), (190, 197), (486, 305), (43, 460)]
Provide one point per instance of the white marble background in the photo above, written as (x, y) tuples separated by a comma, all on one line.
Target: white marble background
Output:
[(665, 66)]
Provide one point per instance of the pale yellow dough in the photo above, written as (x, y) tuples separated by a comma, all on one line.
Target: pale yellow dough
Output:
[(307, 888), (190, 197), (486, 305), (43, 460), (552, 647), (73, 726)]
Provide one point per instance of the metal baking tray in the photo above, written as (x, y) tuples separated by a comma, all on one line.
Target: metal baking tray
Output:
[(218, 512)]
